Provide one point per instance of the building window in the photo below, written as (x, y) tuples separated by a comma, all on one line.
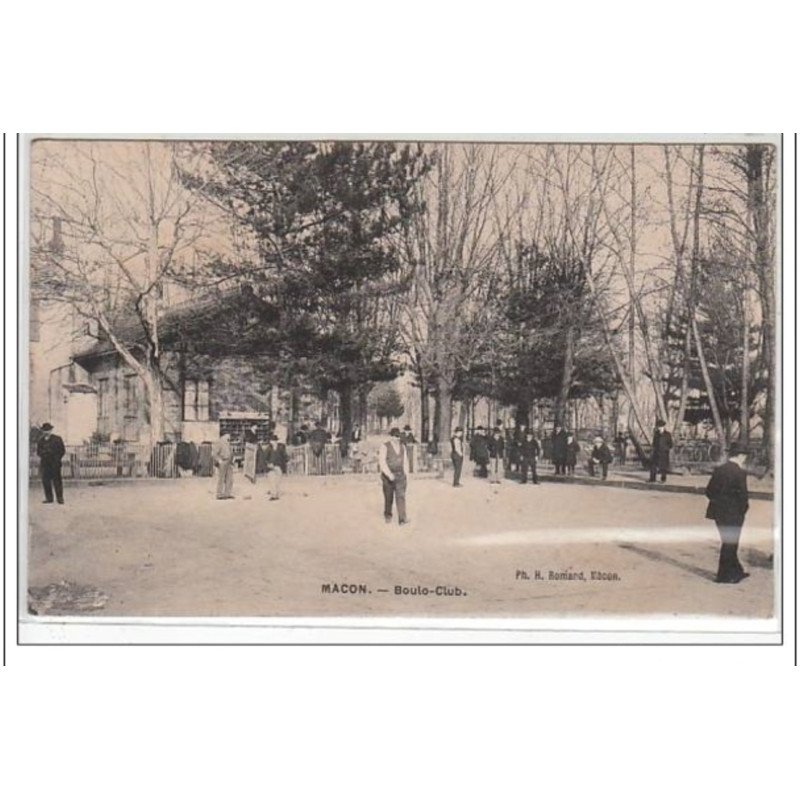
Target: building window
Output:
[(102, 398), (131, 396), (195, 400)]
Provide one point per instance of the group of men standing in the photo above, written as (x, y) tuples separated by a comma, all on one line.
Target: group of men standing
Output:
[(521, 452), (726, 491)]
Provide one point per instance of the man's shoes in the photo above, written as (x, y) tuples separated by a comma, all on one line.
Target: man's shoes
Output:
[(274, 498), (61, 502), (404, 521), (386, 519), (46, 501), (457, 486)]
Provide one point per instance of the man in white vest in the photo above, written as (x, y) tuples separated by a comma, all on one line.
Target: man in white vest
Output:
[(393, 462)]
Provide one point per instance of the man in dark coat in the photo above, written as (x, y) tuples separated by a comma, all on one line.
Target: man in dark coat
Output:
[(497, 451), (300, 437), (560, 450), (662, 444), (50, 449), (408, 440), (600, 455), (528, 455), (517, 439), (479, 451), (727, 506), (573, 450)]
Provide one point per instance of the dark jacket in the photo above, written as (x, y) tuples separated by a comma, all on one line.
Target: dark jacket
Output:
[(479, 449), (497, 447), (184, 457), (573, 448), (727, 494), (406, 437), (601, 453), (559, 447), (50, 450), (662, 444), (318, 438), (275, 457), (529, 450), (280, 456)]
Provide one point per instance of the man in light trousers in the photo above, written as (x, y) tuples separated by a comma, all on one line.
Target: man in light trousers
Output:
[(223, 459)]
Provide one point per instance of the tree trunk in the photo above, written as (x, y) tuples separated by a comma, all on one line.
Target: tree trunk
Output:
[(744, 400), (687, 349), (463, 415), (445, 401), (712, 401), (693, 304), (566, 376), (437, 415), (424, 417), (345, 416), (760, 210), (154, 404), (622, 375), (294, 412), (363, 408)]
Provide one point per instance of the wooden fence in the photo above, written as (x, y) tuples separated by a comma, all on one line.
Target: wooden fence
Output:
[(126, 461), (96, 461)]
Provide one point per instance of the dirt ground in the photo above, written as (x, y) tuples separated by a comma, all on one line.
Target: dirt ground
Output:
[(169, 548)]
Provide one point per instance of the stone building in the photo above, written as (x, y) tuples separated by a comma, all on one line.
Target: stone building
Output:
[(209, 387)]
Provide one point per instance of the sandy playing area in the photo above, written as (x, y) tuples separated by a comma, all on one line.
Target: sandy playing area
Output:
[(169, 548)]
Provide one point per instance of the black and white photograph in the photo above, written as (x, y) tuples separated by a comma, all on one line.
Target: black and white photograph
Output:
[(462, 380)]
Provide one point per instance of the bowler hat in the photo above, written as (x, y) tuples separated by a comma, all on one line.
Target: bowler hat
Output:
[(736, 450), (394, 432), (660, 423), (47, 426)]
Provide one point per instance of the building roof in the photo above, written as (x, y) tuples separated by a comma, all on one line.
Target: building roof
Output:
[(192, 321)]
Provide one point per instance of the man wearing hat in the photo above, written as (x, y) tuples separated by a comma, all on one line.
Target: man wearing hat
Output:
[(559, 450), (662, 444), (479, 451), (727, 506), (50, 449), (528, 455), (393, 461), (600, 455), (408, 440), (497, 450), (222, 455)]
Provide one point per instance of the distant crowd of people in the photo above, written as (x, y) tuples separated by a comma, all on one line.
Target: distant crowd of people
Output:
[(518, 450)]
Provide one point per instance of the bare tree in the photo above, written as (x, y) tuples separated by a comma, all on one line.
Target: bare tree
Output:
[(127, 229), (451, 251)]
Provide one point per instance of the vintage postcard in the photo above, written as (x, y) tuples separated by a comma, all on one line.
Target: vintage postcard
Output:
[(441, 383)]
